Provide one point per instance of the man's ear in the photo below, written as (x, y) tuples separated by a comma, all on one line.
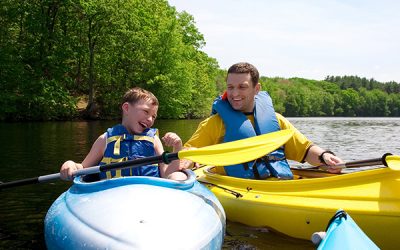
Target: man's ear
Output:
[(258, 87)]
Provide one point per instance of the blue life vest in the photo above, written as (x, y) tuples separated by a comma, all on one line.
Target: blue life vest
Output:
[(122, 146), (237, 127)]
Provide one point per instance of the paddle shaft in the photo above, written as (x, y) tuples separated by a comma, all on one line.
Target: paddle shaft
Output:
[(165, 157), (228, 153), (365, 163), (357, 164)]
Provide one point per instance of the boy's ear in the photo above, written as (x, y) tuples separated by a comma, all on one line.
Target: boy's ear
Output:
[(125, 107)]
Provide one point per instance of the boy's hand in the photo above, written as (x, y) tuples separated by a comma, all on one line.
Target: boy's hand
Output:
[(172, 140), (188, 164), (68, 169)]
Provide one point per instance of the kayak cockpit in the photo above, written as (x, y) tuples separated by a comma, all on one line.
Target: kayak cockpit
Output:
[(297, 173), (92, 183)]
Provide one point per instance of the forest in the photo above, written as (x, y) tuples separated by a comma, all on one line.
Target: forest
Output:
[(58, 54), (347, 96)]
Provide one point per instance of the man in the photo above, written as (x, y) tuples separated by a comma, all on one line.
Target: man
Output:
[(244, 111)]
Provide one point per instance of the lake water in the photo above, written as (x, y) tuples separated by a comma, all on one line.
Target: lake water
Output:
[(34, 149)]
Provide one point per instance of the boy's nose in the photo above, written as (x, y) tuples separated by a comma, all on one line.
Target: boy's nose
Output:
[(150, 118)]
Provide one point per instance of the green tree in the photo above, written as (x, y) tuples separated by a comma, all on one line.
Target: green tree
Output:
[(350, 102)]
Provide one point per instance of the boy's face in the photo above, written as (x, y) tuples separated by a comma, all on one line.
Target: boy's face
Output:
[(240, 91), (139, 116)]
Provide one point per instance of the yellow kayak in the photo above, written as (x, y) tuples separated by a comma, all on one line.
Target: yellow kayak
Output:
[(302, 206)]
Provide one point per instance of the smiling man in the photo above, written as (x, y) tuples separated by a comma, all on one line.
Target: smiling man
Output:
[(244, 111)]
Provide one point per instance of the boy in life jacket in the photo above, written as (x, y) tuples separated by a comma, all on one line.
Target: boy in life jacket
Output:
[(133, 138), (244, 111)]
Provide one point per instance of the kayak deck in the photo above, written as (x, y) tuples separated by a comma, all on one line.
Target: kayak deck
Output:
[(135, 213), (302, 206)]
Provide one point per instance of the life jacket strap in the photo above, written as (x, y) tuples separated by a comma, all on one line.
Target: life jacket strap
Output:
[(118, 171), (255, 170)]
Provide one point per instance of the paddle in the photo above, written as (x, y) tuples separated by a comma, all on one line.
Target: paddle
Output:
[(394, 163), (229, 153)]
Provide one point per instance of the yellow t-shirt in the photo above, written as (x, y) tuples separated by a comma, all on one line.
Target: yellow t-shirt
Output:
[(211, 131)]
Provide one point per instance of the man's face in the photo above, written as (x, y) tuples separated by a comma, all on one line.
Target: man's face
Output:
[(241, 92)]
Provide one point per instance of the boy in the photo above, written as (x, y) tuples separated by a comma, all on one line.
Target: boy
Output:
[(133, 138)]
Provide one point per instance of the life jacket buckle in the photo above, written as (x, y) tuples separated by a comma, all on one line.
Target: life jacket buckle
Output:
[(273, 158)]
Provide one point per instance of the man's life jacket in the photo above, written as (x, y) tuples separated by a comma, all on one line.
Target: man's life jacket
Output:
[(122, 146), (237, 127)]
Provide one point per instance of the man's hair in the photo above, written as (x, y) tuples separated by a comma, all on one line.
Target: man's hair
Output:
[(135, 94), (244, 68)]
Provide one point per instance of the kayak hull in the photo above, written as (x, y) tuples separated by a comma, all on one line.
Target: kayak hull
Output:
[(344, 234), (136, 213), (300, 207)]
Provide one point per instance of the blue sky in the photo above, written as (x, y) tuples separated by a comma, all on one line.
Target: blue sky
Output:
[(302, 38)]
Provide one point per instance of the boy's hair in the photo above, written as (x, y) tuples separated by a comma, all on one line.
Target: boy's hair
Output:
[(244, 67), (135, 94)]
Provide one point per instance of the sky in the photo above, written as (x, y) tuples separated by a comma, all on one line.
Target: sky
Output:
[(302, 38)]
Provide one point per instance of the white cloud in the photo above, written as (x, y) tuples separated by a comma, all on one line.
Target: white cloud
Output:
[(304, 38)]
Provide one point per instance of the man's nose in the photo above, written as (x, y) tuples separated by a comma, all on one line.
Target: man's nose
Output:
[(234, 92)]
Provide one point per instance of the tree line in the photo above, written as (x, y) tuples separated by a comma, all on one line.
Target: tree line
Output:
[(335, 96), (56, 52)]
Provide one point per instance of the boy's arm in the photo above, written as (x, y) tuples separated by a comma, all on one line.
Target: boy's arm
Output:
[(159, 149), (96, 153), (171, 140), (92, 158)]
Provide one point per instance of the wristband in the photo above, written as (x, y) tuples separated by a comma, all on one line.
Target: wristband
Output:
[(321, 156)]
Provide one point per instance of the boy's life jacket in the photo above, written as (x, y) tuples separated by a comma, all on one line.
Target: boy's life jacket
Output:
[(122, 146), (237, 127)]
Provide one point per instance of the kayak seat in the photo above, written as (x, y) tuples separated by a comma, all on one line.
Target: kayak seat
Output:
[(91, 177)]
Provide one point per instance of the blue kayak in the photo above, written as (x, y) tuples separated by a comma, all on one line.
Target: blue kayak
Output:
[(136, 213), (343, 233)]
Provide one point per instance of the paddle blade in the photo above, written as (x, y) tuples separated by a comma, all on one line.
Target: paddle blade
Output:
[(393, 162), (240, 151)]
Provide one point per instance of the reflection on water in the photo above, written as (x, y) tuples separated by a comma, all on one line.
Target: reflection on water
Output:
[(34, 149)]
